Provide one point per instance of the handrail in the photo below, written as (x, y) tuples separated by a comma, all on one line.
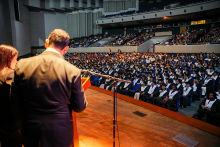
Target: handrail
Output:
[(187, 44)]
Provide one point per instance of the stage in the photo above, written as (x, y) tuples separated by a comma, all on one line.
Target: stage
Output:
[(154, 130)]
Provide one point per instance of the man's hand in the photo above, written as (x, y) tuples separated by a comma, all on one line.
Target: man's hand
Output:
[(151, 95), (202, 106), (209, 109), (126, 88)]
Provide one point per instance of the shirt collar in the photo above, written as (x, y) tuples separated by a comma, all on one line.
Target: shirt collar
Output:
[(53, 50)]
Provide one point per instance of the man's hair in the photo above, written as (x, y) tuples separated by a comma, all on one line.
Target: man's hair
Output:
[(59, 38)]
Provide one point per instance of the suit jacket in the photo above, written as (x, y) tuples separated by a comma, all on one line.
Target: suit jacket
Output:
[(198, 87), (180, 88), (45, 87), (209, 87), (7, 119), (175, 97), (155, 93), (165, 95), (215, 106), (129, 86)]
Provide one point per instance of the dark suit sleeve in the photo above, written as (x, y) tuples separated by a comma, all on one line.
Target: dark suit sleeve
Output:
[(130, 86), (146, 89), (156, 92), (209, 84), (77, 100), (176, 97), (190, 93), (16, 100), (181, 88), (202, 103), (215, 106)]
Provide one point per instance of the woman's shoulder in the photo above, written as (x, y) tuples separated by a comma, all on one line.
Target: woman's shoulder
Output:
[(9, 75)]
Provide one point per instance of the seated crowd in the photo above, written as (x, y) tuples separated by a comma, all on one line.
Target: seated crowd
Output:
[(85, 42), (135, 39), (169, 81), (197, 36)]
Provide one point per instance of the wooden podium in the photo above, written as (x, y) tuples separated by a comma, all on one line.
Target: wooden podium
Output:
[(86, 84)]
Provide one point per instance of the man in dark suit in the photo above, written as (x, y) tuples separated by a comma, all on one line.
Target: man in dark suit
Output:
[(124, 87), (45, 90), (179, 86), (207, 87), (196, 89), (185, 96), (150, 92), (208, 108)]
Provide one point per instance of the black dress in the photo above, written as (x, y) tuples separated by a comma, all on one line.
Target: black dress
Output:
[(9, 135)]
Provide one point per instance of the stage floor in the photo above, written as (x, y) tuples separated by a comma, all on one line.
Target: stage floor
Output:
[(154, 130)]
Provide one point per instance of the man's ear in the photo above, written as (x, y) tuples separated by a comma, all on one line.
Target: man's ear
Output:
[(65, 49), (46, 43)]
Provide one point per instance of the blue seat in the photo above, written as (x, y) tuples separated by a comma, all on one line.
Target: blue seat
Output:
[(95, 80), (213, 80), (136, 86), (178, 101), (191, 97)]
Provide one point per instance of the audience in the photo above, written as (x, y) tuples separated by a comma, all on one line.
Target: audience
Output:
[(195, 36), (167, 80)]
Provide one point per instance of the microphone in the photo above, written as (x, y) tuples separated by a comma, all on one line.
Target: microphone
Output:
[(106, 76)]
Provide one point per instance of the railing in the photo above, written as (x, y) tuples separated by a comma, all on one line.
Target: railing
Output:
[(94, 49), (188, 48)]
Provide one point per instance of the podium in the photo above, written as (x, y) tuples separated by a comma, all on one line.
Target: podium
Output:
[(86, 84)]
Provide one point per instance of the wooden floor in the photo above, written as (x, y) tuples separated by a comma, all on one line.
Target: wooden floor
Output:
[(154, 130)]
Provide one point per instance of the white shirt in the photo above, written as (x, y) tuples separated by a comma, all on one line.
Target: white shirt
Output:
[(53, 50), (186, 91), (151, 90), (209, 103), (194, 87)]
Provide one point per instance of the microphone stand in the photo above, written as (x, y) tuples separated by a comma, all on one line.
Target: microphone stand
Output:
[(114, 101)]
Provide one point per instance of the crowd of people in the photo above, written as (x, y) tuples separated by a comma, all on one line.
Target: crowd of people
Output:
[(85, 42), (197, 36), (134, 39), (169, 81)]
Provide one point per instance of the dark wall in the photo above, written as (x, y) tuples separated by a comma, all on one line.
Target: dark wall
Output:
[(5, 23), (130, 30), (113, 31), (175, 30)]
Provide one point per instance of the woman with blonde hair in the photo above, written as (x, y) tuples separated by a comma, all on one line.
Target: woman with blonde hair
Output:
[(9, 134)]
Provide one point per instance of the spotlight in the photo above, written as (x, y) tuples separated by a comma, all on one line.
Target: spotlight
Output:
[(165, 17)]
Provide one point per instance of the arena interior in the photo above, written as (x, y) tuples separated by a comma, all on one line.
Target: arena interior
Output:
[(166, 51)]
